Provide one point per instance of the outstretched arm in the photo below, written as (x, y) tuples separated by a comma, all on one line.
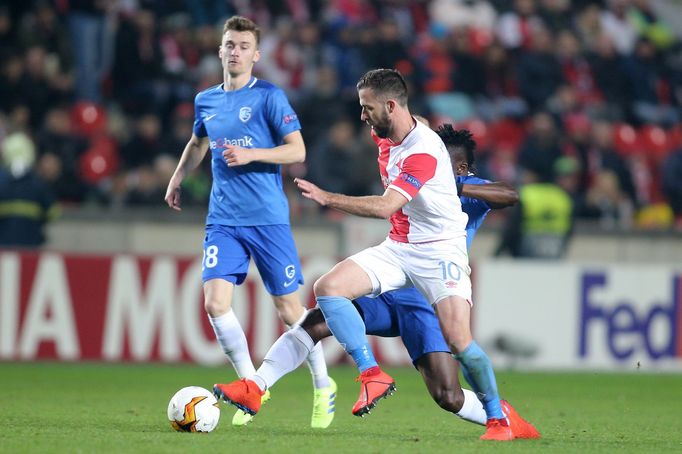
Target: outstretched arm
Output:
[(496, 194), (194, 152), (371, 206)]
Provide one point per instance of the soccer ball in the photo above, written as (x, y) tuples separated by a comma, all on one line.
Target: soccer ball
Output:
[(193, 409)]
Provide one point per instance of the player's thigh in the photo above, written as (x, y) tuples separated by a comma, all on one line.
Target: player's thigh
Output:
[(346, 279), (274, 252), (373, 271), (417, 323), (225, 256), (440, 269)]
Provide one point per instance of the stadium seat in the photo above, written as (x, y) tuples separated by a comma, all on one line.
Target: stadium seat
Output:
[(625, 139), (88, 119), (100, 161)]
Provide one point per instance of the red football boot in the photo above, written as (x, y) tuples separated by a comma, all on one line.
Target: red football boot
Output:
[(375, 385), (243, 394), (519, 426), (498, 429)]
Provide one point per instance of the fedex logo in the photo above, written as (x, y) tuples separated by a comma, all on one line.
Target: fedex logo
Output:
[(625, 327), (244, 142)]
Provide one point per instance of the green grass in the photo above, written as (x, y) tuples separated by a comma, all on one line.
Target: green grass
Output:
[(122, 408)]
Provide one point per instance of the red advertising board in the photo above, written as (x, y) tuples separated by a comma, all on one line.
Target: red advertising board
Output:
[(131, 308)]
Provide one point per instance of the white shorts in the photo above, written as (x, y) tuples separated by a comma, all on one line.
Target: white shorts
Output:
[(438, 269)]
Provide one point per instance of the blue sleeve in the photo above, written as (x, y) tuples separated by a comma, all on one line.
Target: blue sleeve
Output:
[(281, 116), (198, 129), (469, 204)]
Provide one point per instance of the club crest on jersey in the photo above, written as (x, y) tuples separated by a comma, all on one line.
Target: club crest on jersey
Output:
[(245, 114)]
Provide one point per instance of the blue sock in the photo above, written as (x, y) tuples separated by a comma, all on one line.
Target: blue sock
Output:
[(347, 326), (478, 371)]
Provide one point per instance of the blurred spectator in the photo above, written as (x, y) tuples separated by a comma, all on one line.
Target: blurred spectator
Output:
[(26, 202), (281, 60), (617, 26), (340, 161), (606, 62), (386, 49), (145, 144), (60, 151), (138, 64), (588, 26), (462, 15), (576, 69), (556, 14), (609, 174), (320, 108), (91, 28), (539, 71), (515, 28), (541, 149), (645, 69), (41, 28), (541, 224), (642, 16)]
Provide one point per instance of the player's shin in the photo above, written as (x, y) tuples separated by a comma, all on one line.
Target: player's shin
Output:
[(316, 361), (478, 371), (347, 326), (232, 339), (285, 355)]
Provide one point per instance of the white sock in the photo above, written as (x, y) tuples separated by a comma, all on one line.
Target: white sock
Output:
[(472, 409), (232, 339), (285, 355), (316, 361)]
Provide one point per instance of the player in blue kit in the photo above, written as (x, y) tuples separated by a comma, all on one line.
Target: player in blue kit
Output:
[(405, 313), (251, 130)]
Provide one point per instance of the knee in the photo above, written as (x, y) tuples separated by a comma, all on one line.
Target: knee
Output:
[(329, 285), (214, 307), (449, 399)]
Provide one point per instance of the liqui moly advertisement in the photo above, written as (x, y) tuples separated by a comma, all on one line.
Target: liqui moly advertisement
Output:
[(558, 315)]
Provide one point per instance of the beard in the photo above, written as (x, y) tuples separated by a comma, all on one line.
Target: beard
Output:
[(382, 127)]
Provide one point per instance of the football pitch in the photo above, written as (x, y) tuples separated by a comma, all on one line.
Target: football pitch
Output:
[(49, 407)]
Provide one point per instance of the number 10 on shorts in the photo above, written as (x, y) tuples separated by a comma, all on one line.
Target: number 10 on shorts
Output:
[(450, 270), (210, 258)]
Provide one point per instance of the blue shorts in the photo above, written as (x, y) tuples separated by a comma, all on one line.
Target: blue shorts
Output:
[(407, 314), (228, 250)]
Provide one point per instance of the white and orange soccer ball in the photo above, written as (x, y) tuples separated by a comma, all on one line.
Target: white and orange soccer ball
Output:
[(193, 409)]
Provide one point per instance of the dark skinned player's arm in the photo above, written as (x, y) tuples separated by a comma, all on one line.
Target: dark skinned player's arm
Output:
[(496, 194)]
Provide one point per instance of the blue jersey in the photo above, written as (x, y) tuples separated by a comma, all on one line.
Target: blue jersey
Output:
[(255, 116), (475, 208)]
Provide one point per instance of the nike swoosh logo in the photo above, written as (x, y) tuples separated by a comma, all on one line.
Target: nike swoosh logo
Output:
[(287, 284), (208, 117)]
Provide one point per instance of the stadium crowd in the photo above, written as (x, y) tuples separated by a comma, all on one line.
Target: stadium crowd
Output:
[(586, 94)]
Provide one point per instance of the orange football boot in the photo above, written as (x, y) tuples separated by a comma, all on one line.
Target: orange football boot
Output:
[(243, 394), (375, 385), (519, 426), (498, 429)]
